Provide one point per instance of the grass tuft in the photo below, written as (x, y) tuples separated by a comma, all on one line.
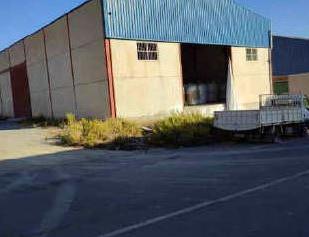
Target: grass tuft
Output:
[(182, 130), (92, 133), (41, 121)]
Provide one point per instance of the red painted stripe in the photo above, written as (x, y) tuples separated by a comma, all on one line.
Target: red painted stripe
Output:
[(110, 78), (20, 91)]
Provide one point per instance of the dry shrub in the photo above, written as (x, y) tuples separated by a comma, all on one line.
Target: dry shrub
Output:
[(91, 133), (182, 130)]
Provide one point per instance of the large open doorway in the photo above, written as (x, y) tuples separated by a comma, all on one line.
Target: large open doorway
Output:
[(205, 69)]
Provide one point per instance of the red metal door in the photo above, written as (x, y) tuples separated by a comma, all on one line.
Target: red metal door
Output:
[(20, 91)]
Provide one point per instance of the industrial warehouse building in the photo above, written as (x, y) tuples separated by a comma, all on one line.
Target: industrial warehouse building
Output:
[(134, 58), (290, 65)]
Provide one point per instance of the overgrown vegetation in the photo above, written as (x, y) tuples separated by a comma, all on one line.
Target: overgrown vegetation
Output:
[(93, 133), (182, 130), (174, 131), (41, 121)]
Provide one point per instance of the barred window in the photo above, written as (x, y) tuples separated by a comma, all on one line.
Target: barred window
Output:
[(147, 51), (251, 54)]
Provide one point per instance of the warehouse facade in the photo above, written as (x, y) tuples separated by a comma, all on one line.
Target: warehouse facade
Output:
[(118, 58), (290, 65)]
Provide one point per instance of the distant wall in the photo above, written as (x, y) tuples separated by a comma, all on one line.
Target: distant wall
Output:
[(299, 84), (146, 88), (290, 56), (66, 66), (251, 78)]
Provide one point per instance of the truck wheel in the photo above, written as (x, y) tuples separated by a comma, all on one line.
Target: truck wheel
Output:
[(270, 135), (274, 135)]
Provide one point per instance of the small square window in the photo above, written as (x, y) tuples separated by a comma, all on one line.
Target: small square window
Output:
[(147, 51), (251, 54)]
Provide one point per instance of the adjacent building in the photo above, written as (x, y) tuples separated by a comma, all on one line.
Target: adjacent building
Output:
[(138, 58), (290, 65)]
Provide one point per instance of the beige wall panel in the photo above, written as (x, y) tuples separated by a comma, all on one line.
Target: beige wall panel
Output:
[(57, 40), (37, 76), (6, 98), (251, 78), (299, 84), (146, 88), (17, 53), (35, 49), (4, 60), (86, 24), (40, 104), (92, 100), (89, 64), (63, 102), (60, 71)]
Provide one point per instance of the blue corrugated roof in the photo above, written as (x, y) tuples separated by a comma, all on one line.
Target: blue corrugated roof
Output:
[(220, 22), (290, 56)]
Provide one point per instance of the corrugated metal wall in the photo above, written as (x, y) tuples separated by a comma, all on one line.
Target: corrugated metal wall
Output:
[(290, 56), (220, 22)]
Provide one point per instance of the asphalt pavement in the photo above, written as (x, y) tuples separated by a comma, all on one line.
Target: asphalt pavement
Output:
[(225, 191)]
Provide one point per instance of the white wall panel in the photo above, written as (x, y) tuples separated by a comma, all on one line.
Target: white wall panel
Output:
[(17, 53), (4, 60), (251, 78), (37, 74), (57, 40), (35, 49), (88, 59), (40, 104), (86, 24), (92, 100), (6, 98), (63, 102), (89, 63), (60, 71)]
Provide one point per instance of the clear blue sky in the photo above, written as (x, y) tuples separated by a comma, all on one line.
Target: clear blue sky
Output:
[(19, 18), (289, 17)]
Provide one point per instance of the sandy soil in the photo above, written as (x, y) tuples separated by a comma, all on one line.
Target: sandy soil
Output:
[(17, 142)]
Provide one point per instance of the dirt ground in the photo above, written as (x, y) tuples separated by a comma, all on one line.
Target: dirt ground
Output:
[(231, 191), (18, 143)]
